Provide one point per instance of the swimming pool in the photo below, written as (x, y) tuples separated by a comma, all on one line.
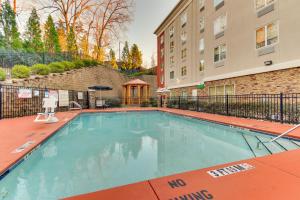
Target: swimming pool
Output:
[(105, 150)]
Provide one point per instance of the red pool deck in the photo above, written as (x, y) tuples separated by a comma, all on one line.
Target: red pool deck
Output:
[(272, 177)]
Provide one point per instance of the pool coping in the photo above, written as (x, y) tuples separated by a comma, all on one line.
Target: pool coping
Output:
[(191, 114)]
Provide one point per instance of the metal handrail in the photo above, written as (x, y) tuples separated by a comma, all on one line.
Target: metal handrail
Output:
[(76, 104), (278, 137)]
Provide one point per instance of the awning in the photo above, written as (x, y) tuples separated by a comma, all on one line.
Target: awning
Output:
[(163, 90), (100, 88)]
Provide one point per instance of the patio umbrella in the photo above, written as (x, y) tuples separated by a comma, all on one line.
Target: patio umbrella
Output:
[(100, 88)]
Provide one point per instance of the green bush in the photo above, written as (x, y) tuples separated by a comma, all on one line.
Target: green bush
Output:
[(2, 75), (56, 67), (20, 71), (68, 65), (40, 69), (78, 64)]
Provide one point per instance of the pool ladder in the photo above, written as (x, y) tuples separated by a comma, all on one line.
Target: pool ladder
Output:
[(278, 137), (78, 106)]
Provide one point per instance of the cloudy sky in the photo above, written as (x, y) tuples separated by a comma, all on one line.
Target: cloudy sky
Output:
[(148, 15)]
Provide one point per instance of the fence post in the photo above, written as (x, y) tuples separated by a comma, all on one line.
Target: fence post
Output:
[(179, 102), (281, 107), (0, 101), (197, 103), (227, 105)]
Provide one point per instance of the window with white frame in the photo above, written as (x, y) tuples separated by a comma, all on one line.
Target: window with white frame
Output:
[(220, 53), (183, 19), (201, 3), (172, 46), (220, 24), (172, 60), (201, 45), (212, 91), (267, 35), (172, 75), (183, 37), (183, 53), (217, 2), (229, 90), (172, 31), (202, 23), (183, 71), (259, 4), (201, 66)]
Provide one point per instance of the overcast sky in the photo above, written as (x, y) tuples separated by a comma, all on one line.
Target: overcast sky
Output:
[(148, 15)]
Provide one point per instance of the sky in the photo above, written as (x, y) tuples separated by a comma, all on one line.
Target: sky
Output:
[(148, 14)]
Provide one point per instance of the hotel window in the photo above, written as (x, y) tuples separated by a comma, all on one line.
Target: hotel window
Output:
[(220, 90), (259, 4), (201, 66), (220, 53), (172, 75), (183, 19), (202, 24), (183, 71), (172, 31), (220, 24), (172, 46), (201, 3), (212, 91), (172, 59), (217, 2), (183, 53), (229, 89), (201, 45), (183, 37), (267, 35)]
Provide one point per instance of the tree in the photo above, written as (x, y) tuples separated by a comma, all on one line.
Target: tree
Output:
[(9, 25), (136, 56), (33, 33), (113, 60), (99, 54), (84, 45), (153, 61), (51, 37), (71, 41), (126, 57), (62, 37)]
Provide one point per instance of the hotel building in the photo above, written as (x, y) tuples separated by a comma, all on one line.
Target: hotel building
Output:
[(230, 46)]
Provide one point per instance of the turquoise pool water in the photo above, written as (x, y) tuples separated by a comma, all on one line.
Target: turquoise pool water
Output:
[(99, 151)]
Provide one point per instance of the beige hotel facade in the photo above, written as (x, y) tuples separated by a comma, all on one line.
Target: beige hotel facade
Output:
[(230, 46)]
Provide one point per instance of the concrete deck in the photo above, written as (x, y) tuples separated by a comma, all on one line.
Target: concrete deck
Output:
[(271, 177)]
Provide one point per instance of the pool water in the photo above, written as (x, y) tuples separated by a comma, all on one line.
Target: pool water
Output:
[(105, 150)]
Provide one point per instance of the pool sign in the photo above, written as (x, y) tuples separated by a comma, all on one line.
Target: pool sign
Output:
[(230, 170), (63, 96), (80, 95), (25, 93)]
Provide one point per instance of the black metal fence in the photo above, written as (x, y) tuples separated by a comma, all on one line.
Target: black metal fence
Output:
[(13, 105), (284, 108)]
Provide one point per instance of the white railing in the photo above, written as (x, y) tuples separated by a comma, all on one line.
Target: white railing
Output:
[(78, 106)]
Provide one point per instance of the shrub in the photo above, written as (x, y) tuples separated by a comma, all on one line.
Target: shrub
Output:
[(20, 71), (68, 65), (40, 69), (56, 67), (2, 75), (78, 64)]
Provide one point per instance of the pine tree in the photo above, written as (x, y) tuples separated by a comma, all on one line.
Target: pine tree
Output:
[(62, 36), (9, 26), (113, 60), (136, 55), (71, 41), (126, 58), (33, 33), (51, 37)]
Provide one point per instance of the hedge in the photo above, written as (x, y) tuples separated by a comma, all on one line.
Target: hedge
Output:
[(68, 65), (56, 67), (20, 71), (2, 75), (40, 69)]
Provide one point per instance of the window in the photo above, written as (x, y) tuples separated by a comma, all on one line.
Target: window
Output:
[(161, 40), (217, 2), (183, 20), (162, 53), (201, 66), (229, 89), (183, 37), (220, 24), (220, 53), (172, 46), (172, 31), (259, 4), (201, 3), (172, 59), (267, 35), (202, 24), (183, 71), (172, 75), (220, 90), (183, 53), (184, 94), (201, 45), (212, 91)]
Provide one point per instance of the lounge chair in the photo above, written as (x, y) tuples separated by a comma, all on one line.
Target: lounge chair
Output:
[(49, 104), (101, 104)]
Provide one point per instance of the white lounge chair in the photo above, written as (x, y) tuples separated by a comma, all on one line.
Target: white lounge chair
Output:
[(49, 104), (101, 104)]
